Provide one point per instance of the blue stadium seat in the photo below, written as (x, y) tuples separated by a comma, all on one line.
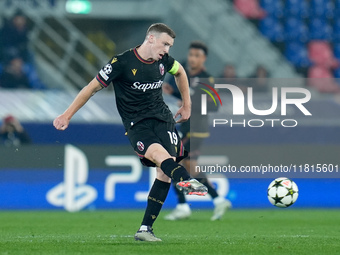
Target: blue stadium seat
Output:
[(336, 30), (336, 73), (296, 30), (319, 29), (337, 8), (273, 8), (297, 8), (336, 50), (322, 8), (271, 28), (296, 53)]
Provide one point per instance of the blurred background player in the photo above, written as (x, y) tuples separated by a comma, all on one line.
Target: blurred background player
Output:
[(193, 137)]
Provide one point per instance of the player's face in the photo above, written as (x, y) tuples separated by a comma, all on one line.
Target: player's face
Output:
[(160, 45), (196, 58)]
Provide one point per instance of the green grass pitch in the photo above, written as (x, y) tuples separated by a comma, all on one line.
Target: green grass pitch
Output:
[(275, 231)]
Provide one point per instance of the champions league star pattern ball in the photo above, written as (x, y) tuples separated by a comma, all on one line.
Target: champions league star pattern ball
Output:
[(282, 192)]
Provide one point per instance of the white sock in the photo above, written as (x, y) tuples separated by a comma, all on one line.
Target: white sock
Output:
[(143, 228), (218, 200), (183, 207)]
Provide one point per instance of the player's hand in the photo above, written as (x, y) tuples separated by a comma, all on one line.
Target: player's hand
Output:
[(61, 122), (184, 112)]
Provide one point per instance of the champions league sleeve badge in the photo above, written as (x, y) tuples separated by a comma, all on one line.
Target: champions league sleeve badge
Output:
[(108, 69)]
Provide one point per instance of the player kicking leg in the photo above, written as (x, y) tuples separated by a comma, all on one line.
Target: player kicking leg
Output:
[(156, 198), (182, 210), (157, 144)]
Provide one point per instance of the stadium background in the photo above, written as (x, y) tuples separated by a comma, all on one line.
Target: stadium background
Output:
[(70, 40)]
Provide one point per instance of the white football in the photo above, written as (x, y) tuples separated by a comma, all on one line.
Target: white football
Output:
[(282, 192)]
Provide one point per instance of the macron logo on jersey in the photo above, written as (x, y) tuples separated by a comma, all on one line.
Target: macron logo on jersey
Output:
[(146, 86)]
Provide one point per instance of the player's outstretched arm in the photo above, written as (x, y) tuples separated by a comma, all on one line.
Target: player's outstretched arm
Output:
[(181, 79), (62, 121)]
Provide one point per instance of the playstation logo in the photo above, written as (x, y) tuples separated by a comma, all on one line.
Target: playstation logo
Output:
[(73, 194)]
